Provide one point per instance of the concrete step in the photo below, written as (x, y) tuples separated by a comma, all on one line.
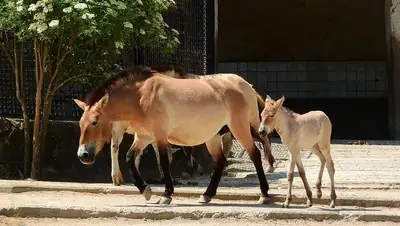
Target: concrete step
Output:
[(64, 204), (346, 197)]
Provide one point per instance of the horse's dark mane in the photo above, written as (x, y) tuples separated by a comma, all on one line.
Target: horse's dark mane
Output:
[(170, 67), (128, 76), (134, 74)]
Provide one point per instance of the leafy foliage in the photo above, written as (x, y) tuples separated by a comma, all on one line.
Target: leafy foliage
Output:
[(87, 34)]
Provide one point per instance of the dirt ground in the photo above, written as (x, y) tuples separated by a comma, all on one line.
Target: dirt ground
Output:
[(209, 222)]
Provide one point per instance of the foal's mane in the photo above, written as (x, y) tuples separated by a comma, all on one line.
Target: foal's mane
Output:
[(290, 112), (122, 78)]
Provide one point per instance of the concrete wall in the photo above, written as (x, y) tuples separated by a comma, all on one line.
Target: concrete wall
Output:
[(321, 54), (393, 22), (286, 30)]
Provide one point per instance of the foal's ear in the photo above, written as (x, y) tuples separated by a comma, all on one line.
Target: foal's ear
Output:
[(81, 104), (102, 102), (279, 102), (268, 98)]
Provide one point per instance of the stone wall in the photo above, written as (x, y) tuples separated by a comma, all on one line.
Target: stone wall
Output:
[(313, 79), (61, 163)]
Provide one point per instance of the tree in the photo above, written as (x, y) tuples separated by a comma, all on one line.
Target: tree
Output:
[(73, 40)]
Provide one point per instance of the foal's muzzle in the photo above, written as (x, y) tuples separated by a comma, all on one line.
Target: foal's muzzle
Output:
[(263, 130), (86, 153)]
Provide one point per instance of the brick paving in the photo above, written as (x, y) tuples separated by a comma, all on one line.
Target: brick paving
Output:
[(377, 164)]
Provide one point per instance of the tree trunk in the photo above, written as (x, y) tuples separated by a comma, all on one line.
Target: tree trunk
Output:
[(20, 93), (40, 61), (43, 129)]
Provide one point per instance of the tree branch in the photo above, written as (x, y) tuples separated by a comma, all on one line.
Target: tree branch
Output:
[(5, 48)]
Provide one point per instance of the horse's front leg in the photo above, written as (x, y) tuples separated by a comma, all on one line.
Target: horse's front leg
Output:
[(219, 159), (132, 156), (116, 139), (162, 146)]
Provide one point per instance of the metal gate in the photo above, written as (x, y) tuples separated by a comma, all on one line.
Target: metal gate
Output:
[(194, 19)]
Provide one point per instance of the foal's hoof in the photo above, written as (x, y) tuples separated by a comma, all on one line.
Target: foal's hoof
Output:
[(147, 193), (270, 169), (264, 200), (332, 204), (309, 203), (117, 179), (164, 200), (204, 199), (319, 194)]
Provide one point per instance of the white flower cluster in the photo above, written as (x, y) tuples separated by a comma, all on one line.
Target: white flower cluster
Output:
[(41, 8)]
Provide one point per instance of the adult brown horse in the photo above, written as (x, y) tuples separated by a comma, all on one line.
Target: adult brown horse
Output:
[(177, 72), (167, 109)]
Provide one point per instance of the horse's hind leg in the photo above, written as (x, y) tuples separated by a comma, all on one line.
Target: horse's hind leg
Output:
[(242, 131), (318, 153), (303, 177), (132, 159), (219, 159)]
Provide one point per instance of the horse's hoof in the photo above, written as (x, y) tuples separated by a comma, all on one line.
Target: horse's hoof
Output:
[(285, 204), (165, 200), (309, 203), (147, 193), (264, 200), (319, 194), (204, 199), (332, 204), (270, 169)]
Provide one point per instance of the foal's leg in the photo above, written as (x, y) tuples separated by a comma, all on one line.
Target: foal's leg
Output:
[(268, 153), (303, 177), (188, 153), (293, 157), (116, 139), (266, 142), (326, 151), (317, 152), (219, 159), (132, 156), (154, 144), (226, 143)]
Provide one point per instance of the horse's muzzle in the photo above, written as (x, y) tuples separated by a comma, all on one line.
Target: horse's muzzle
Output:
[(263, 130), (86, 153)]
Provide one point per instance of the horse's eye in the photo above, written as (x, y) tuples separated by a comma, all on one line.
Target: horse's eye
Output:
[(94, 123)]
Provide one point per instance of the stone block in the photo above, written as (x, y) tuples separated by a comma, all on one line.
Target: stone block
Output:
[(252, 66), (227, 67)]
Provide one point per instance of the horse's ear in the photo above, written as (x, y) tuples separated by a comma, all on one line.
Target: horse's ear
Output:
[(268, 97), (102, 102), (81, 104)]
